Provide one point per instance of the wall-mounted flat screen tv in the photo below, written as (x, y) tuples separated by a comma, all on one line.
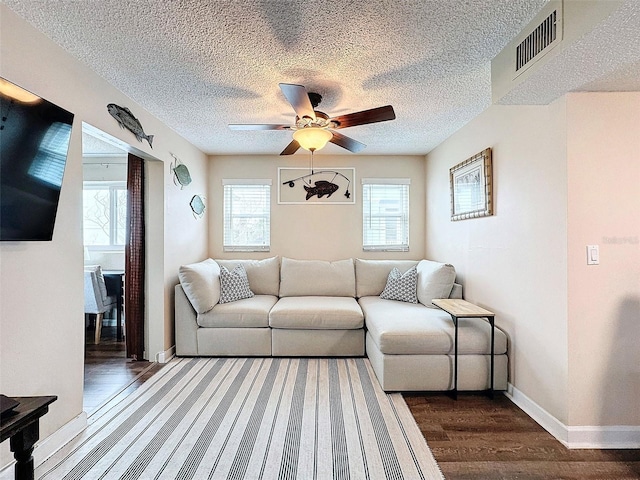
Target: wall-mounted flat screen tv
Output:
[(34, 141)]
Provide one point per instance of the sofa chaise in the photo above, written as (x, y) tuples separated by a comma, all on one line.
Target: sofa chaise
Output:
[(316, 308)]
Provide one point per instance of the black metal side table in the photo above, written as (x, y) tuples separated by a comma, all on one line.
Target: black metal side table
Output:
[(459, 308)]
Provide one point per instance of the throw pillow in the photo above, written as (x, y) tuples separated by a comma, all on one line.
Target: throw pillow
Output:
[(201, 284), (435, 280), (372, 275), (234, 284), (263, 275), (401, 286)]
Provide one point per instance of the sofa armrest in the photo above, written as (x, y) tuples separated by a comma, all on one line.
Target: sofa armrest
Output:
[(185, 325), (456, 291)]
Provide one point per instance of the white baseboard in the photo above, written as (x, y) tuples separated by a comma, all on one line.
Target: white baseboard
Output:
[(54, 442), (600, 437), (164, 357), (547, 421), (617, 436), (46, 447)]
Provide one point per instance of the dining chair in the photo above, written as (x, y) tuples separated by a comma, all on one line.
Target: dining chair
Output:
[(96, 299)]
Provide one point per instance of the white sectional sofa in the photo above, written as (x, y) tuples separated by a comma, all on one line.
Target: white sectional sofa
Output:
[(316, 308)]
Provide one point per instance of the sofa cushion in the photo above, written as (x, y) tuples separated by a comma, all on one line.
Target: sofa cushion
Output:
[(371, 275), (401, 286), (201, 284), (263, 275), (435, 280), (318, 278), (316, 313), (247, 313), (413, 329), (234, 285)]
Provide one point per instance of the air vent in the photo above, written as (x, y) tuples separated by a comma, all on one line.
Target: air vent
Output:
[(518, 71), (542, 39)]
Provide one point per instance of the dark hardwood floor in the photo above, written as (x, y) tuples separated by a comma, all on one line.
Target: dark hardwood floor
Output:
[(107, 372), (473, 437)]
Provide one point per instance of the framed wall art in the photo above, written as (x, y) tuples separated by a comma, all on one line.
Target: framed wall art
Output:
[(325, 185), (471, 187)]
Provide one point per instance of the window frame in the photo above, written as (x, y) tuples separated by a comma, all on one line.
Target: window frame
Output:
[(228, 186), (404, 184), (113, 186)]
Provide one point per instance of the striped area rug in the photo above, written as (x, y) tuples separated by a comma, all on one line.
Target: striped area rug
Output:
[(251, 418)]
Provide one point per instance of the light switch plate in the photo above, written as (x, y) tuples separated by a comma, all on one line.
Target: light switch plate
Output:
[(593, 255)]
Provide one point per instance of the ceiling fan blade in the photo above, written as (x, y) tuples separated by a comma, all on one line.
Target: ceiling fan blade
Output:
[(291, 148), (346, 142), (298, 97), (380, 114), (257, 126)]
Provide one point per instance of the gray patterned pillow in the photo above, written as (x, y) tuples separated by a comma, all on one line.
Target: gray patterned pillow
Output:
[(234, 284), (401, 286)]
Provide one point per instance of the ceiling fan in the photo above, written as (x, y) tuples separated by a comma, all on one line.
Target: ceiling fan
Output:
[(312, 128)]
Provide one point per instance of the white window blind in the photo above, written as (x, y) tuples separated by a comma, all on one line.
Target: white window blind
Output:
[(247, 215), (385, 214)]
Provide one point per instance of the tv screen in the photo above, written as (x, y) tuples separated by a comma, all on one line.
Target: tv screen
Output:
[(34, 141)]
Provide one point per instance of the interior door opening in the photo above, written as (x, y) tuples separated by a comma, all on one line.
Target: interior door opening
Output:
[(107, 370)]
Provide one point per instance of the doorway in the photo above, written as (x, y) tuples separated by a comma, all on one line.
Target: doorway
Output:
[(107, 371)]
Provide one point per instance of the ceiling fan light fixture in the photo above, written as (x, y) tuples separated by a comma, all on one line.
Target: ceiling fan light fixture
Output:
[(312, 138)]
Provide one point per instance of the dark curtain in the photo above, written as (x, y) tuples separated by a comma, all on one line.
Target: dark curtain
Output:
[(134, 259)]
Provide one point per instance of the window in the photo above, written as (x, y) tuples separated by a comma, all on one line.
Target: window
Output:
[(104, 206), (247, 215), (385, 214)]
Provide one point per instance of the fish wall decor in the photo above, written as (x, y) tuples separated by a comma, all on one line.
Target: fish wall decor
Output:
[(127, 120), (181, 175), (197, 206), (321, 184), (321, 188)]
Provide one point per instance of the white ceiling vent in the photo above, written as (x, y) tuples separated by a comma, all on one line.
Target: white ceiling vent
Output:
[(541, 40), (517, 69)]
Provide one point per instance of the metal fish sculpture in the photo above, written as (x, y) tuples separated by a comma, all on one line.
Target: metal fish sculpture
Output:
[(322, 188), (197, 206), (181, 175), (126, 120)]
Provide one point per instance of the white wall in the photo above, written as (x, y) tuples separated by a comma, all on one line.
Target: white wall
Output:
[(325, 232), (185, 236), (513, 263), (41, 286), (109, 170), (565, 176), (603, 159)]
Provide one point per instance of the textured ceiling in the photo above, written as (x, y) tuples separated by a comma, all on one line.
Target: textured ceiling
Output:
[(198, 65)]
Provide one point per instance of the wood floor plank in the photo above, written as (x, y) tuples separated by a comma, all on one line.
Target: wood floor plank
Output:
[(475, 437), (107, 371)]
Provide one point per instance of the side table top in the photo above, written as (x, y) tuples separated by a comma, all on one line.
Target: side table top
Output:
[(461, 308), (28, 410)]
